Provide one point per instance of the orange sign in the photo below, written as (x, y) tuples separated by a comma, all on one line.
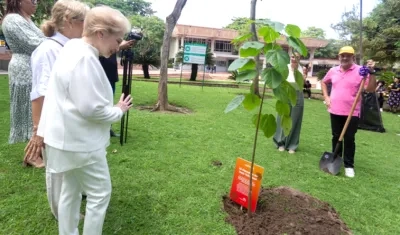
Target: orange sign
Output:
[(241, 181)]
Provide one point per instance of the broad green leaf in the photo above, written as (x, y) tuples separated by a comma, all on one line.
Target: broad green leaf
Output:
[(242, 38), (271, 46), (282, 108), (272, 77), (234, 103), (251, 101), (280, 60), (299, 78), (251, 49), (242, 64), (277, 26), (268, 125), (286, 123), (286, 93), (298, 45), (293, 30), (254, 119), (246, 75), (268, 33)]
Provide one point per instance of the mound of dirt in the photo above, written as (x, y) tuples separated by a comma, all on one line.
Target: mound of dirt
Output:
[(284, 210)]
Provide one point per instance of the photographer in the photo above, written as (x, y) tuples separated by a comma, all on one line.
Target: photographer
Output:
[(110, 66)]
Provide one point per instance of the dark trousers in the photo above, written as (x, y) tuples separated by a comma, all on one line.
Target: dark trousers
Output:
[(380, 100), (308, 92), (113, 86), (348, 148)]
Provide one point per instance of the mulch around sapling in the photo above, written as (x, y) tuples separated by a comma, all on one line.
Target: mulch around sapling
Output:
[(285, 210)]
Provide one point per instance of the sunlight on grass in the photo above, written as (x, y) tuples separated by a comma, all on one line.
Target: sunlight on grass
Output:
[(164, 181)]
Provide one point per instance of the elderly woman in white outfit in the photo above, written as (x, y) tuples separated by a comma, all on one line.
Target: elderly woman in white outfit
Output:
[(66, 22), (76, 117)]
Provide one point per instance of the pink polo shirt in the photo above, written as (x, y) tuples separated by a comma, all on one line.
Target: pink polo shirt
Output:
[(345, 86)]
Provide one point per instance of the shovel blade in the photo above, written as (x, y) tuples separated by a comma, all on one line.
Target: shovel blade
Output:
[(330, 164)]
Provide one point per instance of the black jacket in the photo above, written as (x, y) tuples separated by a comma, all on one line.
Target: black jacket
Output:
[(110, 66)]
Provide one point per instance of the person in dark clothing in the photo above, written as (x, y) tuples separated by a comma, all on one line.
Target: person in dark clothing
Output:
[(380, 90), (307, 88), (110, 66)]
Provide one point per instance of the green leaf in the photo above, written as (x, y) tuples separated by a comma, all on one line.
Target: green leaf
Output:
[(242, 64), (299, 78), (286, 123), (298, 45), (272, 77), (234, 103), (293, 30), (246, 75), (242, 38), (282, 108), (268, 33), (271, 46), (277, 26), (268, 125), (286, 93), (280, 60), (251, 49), (251, 101)]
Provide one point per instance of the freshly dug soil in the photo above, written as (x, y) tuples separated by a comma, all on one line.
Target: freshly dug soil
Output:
[(284, 210)]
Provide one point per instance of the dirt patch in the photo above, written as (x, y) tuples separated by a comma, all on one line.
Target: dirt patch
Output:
[(217, 163), (176, 110), (284, 210)]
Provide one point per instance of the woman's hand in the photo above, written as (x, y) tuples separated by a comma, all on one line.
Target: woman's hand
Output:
[(125, 103), (33, 150)]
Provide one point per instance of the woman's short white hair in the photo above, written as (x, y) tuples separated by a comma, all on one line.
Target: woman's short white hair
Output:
[(105, 19)]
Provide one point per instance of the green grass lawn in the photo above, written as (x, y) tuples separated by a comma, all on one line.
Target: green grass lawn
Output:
[(164, 181)]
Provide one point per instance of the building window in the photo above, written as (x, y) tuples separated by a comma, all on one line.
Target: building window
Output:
[(223, 46), (197, 40), (220, 63)]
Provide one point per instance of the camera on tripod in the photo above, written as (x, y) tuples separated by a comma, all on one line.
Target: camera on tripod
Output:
[(135, 34)]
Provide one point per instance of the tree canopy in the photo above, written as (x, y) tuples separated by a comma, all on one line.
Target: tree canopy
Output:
[(381, 31)]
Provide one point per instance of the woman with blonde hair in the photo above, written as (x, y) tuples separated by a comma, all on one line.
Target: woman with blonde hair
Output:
[(22, 36), (66, 22), (76, 117)]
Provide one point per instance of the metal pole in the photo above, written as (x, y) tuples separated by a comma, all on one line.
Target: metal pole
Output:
[(361, 32)]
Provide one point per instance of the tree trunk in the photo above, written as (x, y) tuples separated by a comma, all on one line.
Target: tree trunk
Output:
[(145, 68), (171, 20), (195, 69), (253, 29)]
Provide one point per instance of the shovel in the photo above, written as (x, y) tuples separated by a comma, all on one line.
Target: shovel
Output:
[(332, 162)]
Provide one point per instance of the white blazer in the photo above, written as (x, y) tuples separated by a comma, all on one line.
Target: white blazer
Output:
[(78, 107)]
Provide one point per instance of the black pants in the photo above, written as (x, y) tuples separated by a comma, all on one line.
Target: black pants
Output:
[(308, 92), (380, 100), (349, 145)]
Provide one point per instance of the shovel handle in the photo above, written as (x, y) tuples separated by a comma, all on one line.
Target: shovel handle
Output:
[(349, 117)]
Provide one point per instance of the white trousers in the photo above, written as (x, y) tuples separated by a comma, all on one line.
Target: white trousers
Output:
[(94, 180), (53, 188)]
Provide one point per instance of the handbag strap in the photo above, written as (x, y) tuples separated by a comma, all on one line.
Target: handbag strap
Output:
[(56, 41)]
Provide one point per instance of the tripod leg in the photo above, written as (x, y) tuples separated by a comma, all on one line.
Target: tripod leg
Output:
[(130, 65), (124, 90)]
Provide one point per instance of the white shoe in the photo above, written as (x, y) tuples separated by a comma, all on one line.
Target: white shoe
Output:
[(349, 172), (381, 110), (281, 149)]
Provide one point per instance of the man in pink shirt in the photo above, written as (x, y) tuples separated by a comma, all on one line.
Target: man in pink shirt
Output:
[(345, 80)]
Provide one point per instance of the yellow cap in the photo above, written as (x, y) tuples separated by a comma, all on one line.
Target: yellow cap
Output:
[(346, 49)]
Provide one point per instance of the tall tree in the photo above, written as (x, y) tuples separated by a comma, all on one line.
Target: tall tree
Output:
[(381, 31), (171, 20), (313, 32), (147, 51), (127, 7)]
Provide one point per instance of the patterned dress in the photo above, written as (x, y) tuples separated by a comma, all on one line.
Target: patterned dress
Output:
[(23, 37), (394, 96)]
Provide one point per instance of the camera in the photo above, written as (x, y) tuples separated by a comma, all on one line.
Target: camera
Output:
[(135, 34)]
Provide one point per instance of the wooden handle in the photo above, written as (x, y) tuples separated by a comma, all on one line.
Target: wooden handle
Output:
[(352, 110)]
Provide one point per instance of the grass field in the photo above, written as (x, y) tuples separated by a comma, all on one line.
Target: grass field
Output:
[(164, 181)]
